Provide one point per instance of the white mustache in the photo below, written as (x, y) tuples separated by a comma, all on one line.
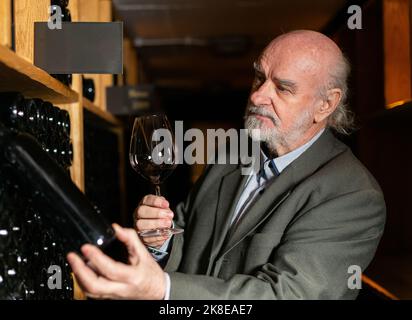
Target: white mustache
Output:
[(252, 109)]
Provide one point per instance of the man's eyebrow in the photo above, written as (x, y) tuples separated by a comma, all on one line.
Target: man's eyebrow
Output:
[(284, 82)]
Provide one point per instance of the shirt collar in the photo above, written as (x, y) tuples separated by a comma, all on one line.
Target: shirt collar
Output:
[(283, 161)]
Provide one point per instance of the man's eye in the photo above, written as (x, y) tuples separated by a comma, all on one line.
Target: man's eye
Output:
[(284, 90)]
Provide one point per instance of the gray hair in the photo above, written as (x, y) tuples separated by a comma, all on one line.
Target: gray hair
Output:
[(342, 120)]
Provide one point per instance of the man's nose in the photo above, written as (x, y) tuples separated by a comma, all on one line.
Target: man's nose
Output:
[(262, 95)]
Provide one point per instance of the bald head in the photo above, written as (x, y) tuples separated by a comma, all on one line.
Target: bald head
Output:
[(310, 41), (309, 51)]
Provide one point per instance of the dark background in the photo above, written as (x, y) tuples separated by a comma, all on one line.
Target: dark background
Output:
[(199, 56)]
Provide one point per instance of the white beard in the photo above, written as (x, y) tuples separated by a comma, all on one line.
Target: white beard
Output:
[(274, 137)]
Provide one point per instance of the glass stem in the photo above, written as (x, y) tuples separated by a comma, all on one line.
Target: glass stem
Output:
[(157, 190)]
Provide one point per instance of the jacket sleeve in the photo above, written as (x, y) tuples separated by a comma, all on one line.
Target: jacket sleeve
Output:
[(177, 241), (312, 259), (182, 211)]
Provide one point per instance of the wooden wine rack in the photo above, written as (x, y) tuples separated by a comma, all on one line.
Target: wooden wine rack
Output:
[(18, 73)]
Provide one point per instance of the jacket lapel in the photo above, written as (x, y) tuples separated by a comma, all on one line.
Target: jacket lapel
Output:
[(261, 209), (229, 194), (322, 150)]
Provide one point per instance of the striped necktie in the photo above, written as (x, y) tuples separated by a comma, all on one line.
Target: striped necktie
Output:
[(268, 171)]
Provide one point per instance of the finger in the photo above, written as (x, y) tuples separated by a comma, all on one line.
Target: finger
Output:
[(155, 201), (92, 285), (80, 269), (106, 266), (131, 240), (150, 240), (148, 224), (147, 212), (157, 244)]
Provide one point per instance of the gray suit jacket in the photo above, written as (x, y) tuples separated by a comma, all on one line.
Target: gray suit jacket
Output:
[(322, 214)]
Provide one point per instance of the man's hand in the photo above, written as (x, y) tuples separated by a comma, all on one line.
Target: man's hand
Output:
[(153, 213), (105, 278)]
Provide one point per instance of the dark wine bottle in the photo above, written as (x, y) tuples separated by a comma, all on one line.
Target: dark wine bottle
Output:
[(12, 109), (30, 118), (69, 211), (89, 90)]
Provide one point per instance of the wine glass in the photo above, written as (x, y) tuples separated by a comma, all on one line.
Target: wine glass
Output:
[(153, 155)]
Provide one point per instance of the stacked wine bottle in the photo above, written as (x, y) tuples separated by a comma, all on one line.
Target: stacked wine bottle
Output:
[(48, 124), (31, 251), (99, 140)]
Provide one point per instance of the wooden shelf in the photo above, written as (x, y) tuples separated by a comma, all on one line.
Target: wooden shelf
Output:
[(384, 293), (17, 74), (87, 104), (393, 272)]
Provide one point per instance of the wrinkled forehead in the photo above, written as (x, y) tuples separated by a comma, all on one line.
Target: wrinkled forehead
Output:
[(293, 60)]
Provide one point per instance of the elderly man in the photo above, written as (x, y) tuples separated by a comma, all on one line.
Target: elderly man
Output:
[(294, 230)]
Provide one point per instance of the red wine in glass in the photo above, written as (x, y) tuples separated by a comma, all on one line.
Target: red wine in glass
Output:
[(153, 155)]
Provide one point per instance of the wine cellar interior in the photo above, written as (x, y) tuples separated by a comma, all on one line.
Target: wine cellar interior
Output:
[(196, 61), (70, 106)]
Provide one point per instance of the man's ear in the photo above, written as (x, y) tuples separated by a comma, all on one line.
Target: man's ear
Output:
[(328, 105)]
